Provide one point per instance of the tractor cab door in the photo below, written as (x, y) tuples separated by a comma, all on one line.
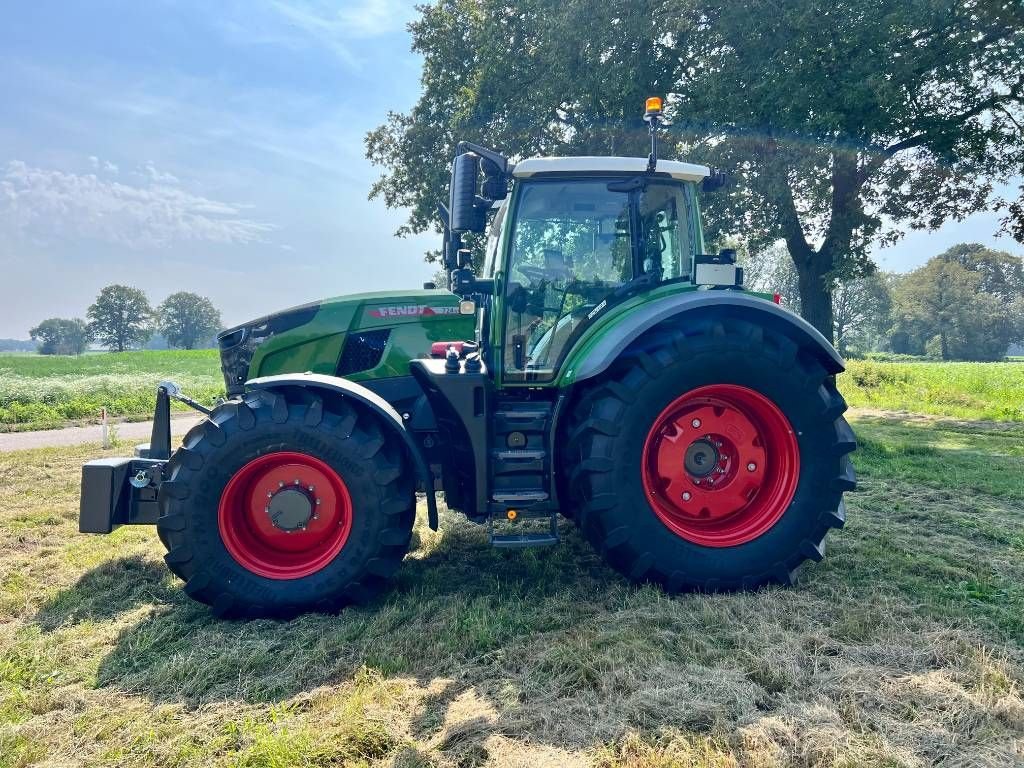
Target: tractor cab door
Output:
[(577, 246)]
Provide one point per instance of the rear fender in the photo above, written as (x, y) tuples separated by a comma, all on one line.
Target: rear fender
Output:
[(595, 355), (389, 418)]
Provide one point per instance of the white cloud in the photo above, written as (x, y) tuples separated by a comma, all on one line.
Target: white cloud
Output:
[(150, 172), (102, 165), (44, 205), (294, 24)]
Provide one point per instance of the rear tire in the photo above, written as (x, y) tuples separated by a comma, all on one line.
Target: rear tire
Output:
[(638, 520), (241, 564)]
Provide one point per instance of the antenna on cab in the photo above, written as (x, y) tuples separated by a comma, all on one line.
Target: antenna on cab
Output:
[(652, 114)]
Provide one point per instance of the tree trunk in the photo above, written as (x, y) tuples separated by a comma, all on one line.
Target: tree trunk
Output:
[(816, 296)]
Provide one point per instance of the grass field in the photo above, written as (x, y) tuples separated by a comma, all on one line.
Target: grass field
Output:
[(39, 392), (958, 390), (904, 647)]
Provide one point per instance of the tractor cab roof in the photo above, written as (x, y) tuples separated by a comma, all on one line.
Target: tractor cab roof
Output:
[(536, 166)]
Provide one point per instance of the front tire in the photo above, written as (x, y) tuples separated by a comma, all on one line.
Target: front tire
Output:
[(283, 503), (712, 457)]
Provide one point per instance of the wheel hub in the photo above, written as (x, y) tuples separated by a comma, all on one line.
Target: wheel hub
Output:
[(285, 515), (720, 465), (291, 509), (701, 458)]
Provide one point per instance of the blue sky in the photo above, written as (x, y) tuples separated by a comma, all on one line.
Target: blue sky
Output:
[(216, 147)]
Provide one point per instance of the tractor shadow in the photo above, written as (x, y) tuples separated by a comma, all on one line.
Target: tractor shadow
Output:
[(454, 600), (112, 589)]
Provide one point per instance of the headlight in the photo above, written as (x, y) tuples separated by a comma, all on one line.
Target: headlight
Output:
[(236, 351), (237, 345)]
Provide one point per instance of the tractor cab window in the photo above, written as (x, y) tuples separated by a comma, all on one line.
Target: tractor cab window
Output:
[(578, 243), (571, 248), (666, 240), (493, 240)]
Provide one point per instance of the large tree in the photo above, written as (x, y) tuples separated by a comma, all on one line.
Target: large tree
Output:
[(833, 119), (119, 318), (61, 336), (187, 319), (943, 308), (1001, 273)]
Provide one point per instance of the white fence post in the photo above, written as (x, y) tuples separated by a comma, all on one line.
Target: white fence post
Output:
[(104, 430)]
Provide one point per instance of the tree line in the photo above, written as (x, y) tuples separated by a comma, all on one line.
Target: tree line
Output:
[(840, 125), (966, 303), (122, 318)]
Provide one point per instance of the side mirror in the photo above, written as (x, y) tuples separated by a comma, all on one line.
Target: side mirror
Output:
[(465, 215)]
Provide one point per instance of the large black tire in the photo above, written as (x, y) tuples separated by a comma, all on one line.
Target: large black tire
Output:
[(349, 440), (611, 422)]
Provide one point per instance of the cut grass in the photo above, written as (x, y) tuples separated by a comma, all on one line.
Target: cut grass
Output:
[(905, 647)]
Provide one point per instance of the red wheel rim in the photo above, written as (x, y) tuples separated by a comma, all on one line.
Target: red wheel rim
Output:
[(285, 515), (720, 465)]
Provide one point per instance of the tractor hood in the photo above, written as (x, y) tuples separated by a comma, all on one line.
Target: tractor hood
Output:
[(383, 331)]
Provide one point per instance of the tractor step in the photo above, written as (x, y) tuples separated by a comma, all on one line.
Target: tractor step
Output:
[(514, 497), (520, 454), (523, 540)]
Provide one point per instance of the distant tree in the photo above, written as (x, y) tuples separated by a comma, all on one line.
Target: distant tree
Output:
[(59, 336), (1002, 273), (943, 310), (771, 271), (120, 317), (17, 345), (861, 312), (187, 320)]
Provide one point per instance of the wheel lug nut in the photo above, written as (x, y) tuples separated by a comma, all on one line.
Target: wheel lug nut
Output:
[(318, 502), (280, 484), (269, 495), (695, 423), (751, 467), (296, 482), (311, 488), (687, 496)]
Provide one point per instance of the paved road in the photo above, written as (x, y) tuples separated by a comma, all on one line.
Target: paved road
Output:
[(137, 431)]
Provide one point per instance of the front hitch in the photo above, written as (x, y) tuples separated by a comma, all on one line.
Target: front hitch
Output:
[(123, 491)]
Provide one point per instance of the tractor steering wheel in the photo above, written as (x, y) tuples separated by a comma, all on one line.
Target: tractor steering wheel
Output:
[(537, 275)]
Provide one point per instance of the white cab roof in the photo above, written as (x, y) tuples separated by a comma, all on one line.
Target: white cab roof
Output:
[(677, 170)]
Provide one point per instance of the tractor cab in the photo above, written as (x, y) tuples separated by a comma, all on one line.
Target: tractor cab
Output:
[(567, 240), (576, 237)]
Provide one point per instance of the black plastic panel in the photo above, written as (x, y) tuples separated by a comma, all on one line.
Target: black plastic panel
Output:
[(363, 351)]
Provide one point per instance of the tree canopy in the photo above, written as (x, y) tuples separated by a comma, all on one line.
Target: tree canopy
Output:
[(187, 320), (832, 119), (119, 319), (965, 304), (60, 336)]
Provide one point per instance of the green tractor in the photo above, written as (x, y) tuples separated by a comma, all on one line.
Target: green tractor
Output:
[(599, 366)]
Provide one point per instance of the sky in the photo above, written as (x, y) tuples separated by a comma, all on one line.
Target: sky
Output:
[(179, 145)]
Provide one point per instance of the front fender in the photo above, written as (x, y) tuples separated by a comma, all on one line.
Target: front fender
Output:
[(596, 352), (389, 417)]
